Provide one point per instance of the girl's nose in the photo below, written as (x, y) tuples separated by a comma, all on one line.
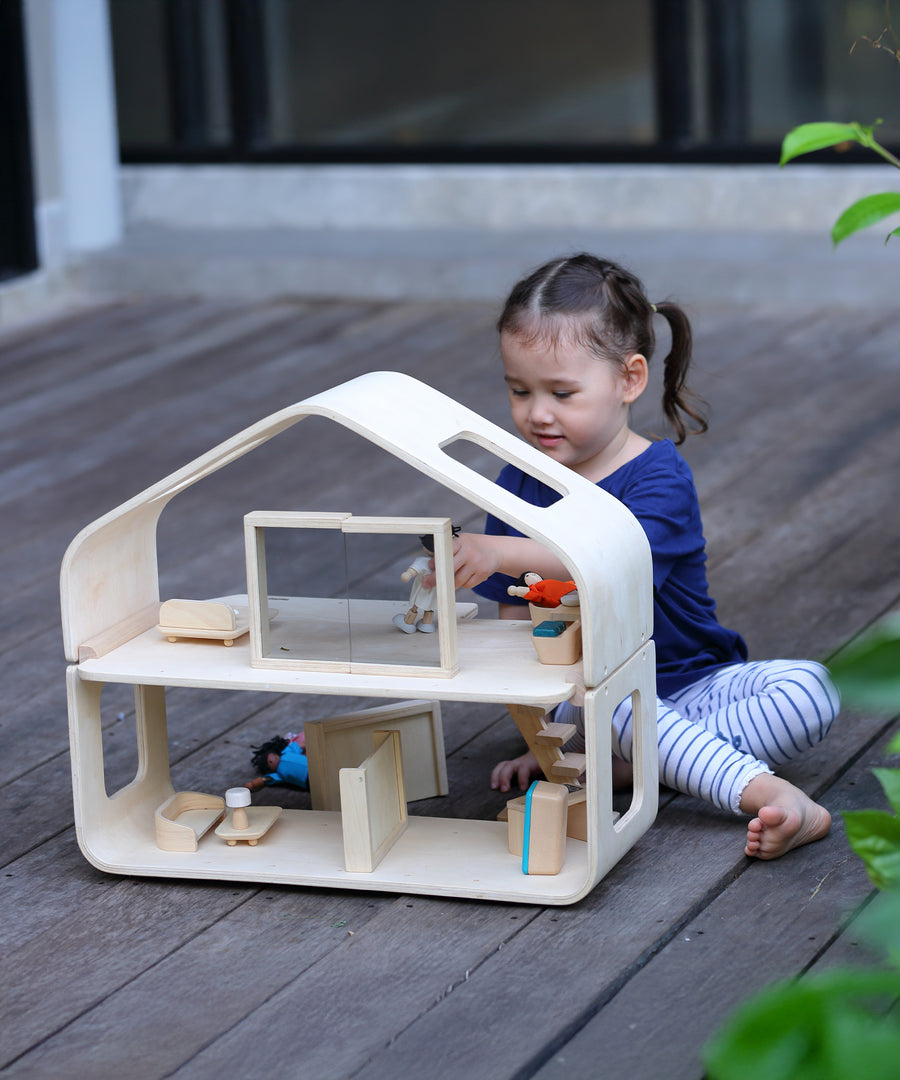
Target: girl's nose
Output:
[(541, 410)]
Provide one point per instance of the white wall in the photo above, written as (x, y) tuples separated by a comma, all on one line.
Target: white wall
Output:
[(78, 203), (86, 123)]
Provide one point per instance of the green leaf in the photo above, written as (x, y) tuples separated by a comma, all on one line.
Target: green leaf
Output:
[(807, 138), (865, 212), (867, 671), (819, 1028), (875, 837), (890, 782), (879, 924), (895, 232)]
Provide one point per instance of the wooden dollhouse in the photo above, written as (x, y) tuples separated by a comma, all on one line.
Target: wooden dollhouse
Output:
[(113, 634)]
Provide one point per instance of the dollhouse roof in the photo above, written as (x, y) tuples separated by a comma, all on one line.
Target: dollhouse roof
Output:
[(109, 573)]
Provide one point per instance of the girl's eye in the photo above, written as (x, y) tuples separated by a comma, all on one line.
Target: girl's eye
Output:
[(561, 395), (518, 393)]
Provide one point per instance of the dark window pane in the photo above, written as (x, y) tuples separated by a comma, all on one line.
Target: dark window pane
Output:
[(171, 72), (809, 60), (502, 79), (141, 72), (18, 253), (468, 73)]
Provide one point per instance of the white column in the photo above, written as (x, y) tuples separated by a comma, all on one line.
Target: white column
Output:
[(86, 117)]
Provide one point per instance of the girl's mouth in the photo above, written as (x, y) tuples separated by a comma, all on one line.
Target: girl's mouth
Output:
[(548, 441)]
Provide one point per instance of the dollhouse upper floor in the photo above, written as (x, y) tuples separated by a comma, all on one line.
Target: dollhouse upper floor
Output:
[(111, 575)]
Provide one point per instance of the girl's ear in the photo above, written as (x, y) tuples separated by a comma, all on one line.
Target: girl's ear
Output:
[(636, 373)]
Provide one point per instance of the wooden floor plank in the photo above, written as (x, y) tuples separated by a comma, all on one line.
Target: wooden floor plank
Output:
[(566, 965), (29, 357), (374, 987), (673, 887), (835, 542), (158, 955), (796, 477), (850, 947), (754, 933), (128, 363)]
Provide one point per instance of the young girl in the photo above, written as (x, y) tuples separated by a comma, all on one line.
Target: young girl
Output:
[(576, 337)]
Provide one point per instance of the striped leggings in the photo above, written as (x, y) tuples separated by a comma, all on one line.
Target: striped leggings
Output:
[(720, 732)]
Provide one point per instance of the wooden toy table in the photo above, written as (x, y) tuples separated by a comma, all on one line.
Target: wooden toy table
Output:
[(110, 605)]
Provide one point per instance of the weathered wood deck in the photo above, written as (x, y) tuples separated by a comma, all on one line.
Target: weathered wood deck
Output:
[(106, 976)]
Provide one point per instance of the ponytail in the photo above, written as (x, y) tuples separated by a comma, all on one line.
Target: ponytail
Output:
[(678, 401)]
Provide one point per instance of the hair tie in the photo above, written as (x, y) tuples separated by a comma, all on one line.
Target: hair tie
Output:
[(653, 306)]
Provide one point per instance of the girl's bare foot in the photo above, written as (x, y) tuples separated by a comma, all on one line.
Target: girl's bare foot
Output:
[(785, 817)]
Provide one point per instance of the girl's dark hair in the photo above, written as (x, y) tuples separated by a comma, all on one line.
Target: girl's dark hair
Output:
[(606, 310), (261, 753)]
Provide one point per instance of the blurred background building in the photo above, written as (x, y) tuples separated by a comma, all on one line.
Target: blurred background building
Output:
[(148, 126)]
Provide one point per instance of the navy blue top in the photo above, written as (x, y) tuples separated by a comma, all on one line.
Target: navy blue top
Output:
[(658, 488)]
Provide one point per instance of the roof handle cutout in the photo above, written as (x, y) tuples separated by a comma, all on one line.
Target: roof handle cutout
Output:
[(484, 458)]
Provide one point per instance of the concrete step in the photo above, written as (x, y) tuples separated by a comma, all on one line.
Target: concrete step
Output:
[(758, 269)]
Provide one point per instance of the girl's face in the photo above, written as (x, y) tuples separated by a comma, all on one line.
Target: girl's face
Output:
[(569, 404)]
